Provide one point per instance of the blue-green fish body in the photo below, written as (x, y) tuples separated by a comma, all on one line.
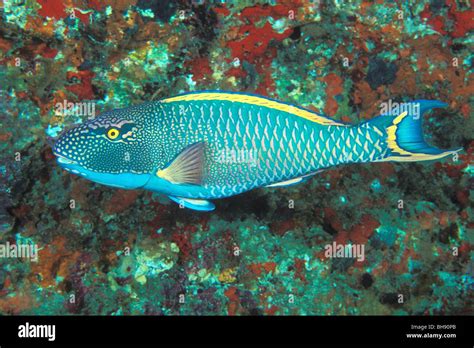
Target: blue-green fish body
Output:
[(206, 145)]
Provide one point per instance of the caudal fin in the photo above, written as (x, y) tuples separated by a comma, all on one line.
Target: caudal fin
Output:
[(405, 135)]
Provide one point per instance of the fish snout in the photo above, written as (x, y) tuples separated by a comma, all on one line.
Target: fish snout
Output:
[(66, 147)]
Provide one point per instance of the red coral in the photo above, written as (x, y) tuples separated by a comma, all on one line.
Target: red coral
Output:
[(55, 261), (361, 232), (466, 110), (330, 218), (57, 10), (221, 11), (204, 223), (97, 4), (183, 241), (462, 196), (454, 170), (437, 22), (300, 269), (52, 9), (463, 21), (200, 68), (334, 88), (259, 268), (120, 201), (255, 13), (83, 90), (254, 46), (272, 310), (236, 72), (281, 227), (5, 45), (342, 237), (83, 17), (255, 42), (4, 137), (465, 248), (45, 51), (234, 300)]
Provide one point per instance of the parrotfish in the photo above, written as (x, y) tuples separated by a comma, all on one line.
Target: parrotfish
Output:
[(207, 145)]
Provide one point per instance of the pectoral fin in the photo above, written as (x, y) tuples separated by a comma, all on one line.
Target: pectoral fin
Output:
[(195, 204), (187, 167)]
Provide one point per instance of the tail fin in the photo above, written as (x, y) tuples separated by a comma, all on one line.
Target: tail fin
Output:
[(405, 135)]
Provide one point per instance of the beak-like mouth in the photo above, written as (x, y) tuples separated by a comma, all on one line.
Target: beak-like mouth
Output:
[(64, 160)]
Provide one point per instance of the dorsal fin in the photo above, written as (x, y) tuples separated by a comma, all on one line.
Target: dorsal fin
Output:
[(255, 100)]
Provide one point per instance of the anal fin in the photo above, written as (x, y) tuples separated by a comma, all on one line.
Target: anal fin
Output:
[(195, 204), (294, 181)]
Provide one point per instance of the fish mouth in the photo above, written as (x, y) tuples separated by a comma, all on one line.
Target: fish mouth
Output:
[(64, 160), (70, 165)]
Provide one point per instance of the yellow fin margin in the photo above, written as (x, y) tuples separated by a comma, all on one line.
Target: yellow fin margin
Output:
[(411, 156)]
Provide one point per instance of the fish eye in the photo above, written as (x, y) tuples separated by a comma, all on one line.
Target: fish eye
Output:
[(113, 133)]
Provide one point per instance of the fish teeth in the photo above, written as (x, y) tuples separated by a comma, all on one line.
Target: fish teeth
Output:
[(65, 160)]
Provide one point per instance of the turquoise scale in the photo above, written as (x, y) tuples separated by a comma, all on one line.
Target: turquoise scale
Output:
[(286, 145)]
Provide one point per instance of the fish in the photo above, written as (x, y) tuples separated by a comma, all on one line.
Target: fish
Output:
[(201, 146)]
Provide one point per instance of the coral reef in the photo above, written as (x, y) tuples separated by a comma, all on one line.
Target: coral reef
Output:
[(108, 251)]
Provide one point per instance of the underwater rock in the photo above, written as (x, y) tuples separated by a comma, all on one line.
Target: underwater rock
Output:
[(381, 72)]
